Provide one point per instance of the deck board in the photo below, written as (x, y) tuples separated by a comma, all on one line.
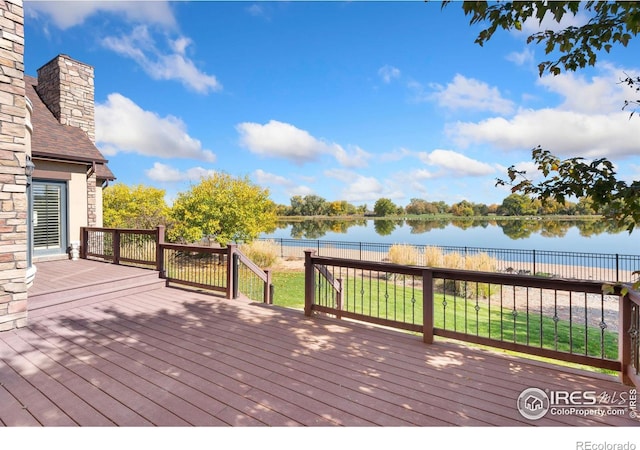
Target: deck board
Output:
[(174, 357)]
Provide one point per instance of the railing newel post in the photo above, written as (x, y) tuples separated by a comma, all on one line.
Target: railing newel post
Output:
[(116, 246), (267, 288), (309, 282), (624, 338), (339, 298), (232, 269), (160, 230), (84, 242), (427, 306)]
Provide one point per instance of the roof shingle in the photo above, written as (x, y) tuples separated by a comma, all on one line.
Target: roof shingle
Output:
[(51, 139)]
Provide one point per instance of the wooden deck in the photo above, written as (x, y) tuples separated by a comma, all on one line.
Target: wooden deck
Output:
[(164, 356)]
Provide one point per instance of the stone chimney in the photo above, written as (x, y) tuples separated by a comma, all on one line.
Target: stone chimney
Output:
[(66, 87)]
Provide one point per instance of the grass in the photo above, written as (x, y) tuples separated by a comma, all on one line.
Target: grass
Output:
[(395, 300)]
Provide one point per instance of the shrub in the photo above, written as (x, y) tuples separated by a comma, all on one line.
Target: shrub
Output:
[(482, 262), (433, 257), (263, 253), (404, 254)]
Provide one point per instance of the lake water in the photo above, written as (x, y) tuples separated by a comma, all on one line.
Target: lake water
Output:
[(571, 236)]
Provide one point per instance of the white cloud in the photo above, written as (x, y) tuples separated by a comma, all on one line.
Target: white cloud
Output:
[(533, 25), (360, 188), (471, 94), (263, 177), (395, 155), (388, 73), (588, 120), (174, 65), (290, 187), (455, 163), (66, 14), (165, 173), (282, 140), (600, 94), (418, 174), (521, 58), (562, 132), (357, 157), (123, 126)]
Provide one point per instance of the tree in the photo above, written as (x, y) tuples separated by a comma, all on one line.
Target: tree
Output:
[(224, 208), (611, 23), (617, 200), (140, 207), (517, 205), (309, 205), (462, 208), (384, 207), (419, 206)]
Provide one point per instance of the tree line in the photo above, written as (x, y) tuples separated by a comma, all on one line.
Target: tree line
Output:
[(513, 205)]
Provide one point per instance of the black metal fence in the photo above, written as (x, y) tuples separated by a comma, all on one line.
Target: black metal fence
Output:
[(556, 264)]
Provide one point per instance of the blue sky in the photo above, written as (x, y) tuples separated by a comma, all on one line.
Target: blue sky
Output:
[(350, 101)]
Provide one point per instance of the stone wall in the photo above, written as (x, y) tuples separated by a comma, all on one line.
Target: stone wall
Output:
[(13, 181)]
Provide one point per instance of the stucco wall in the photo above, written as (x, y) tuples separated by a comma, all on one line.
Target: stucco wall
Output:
[(75, 176)]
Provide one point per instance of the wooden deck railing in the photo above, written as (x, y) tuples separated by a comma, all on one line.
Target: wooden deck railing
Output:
[(569, 320), (219, 269), (630, 342)]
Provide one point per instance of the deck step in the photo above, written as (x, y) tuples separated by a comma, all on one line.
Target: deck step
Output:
[(96, 292)]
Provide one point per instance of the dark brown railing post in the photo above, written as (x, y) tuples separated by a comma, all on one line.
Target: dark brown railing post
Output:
[(427, 306), (309, 282), (160, 251), (267, 288), (84, 242), (339, 298), (231, 270), (628, 340), (116, 246)]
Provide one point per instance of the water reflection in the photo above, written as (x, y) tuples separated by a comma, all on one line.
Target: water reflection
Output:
[(512, 228), (315, 229)]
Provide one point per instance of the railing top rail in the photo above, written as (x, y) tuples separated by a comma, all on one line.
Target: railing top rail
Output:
[(122, 230), (252, 266), (368, 265), (468, 275), (634, 296), (194, 248)]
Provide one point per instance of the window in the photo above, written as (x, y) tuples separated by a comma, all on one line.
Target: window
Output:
[(49, 217)]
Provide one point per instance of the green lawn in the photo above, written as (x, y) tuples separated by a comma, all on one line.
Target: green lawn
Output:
[(394, 299)]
